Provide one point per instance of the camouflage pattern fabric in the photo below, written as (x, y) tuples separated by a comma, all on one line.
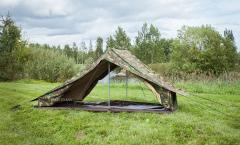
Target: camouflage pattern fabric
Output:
[(117, 58)]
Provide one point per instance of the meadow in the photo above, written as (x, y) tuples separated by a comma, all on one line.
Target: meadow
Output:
[(210, 115)]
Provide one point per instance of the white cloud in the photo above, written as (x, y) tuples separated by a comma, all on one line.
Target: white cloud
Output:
[(62, 21), (47, 8), (8, 3)]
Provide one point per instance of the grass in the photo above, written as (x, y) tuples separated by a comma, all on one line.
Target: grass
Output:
[(193, 123)]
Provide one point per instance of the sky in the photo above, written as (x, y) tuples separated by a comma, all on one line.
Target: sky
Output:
[(59, 22)]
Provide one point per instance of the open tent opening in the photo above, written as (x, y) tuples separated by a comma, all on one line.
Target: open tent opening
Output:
[(73, 92), (111, 94), (127, 88)]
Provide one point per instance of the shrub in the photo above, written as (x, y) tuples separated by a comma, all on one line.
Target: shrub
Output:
[(49, 65), (161, 68)]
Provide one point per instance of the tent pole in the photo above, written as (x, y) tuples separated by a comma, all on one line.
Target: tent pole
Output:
[(109, 85), (126, 83)]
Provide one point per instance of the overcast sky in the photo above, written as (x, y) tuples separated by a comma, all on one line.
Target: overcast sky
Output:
[(67, 21)]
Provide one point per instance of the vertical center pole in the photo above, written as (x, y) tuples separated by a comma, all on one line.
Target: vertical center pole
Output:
[(109, 85), (126, 83)]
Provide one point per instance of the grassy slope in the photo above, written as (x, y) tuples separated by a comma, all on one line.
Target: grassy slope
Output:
[(191, 124)]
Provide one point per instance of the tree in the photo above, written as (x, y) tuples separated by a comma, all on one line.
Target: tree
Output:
[(230, 48), (110, 42), (75, 52), (141, 43), (67, 50), (90, 54), (83, 46), (99, 47), (148, 45), (228, 34), (12, 54), (120, 40), (166, 45), (83, 50), (10, 35), (204, 49)]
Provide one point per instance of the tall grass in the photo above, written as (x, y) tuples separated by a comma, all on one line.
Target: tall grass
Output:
[(165, 71)]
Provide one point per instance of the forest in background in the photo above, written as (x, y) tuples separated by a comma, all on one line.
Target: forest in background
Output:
[(196, 51)]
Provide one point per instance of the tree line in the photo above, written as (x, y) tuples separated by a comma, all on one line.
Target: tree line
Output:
[(201, 49), (196, 49)]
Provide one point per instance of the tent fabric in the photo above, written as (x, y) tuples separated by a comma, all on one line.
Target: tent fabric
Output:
[(80, 86)]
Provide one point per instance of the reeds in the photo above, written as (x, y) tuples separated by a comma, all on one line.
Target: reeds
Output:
[(201, 76)]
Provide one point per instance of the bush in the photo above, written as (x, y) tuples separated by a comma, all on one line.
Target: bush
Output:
[(49, 65), (203, 49), (161, 68)]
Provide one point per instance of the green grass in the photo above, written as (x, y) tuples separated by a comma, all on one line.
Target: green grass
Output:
[(193, 123)]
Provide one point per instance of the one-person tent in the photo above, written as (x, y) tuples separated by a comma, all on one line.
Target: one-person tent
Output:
[(77, 88)]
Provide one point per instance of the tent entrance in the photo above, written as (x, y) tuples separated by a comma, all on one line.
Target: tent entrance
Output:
[(118, 91)]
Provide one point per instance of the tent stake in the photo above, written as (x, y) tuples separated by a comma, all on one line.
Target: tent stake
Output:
[(109, 85)]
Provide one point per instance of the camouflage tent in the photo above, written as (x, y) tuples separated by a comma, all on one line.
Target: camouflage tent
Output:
[(77, 88)]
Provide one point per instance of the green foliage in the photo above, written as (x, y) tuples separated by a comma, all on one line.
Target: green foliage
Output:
[(120, 40), (90, 54), (161, 68), (67, 50), (197, 49), (10, 35), (203, 49), (217, 87), (149, 47), (78, 54), (238, 62), (110, 42), (166, 45), (49, 65), (12, 54), (18, 60), (228, 34), (191, 124), (165, 70), (99, 47)]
